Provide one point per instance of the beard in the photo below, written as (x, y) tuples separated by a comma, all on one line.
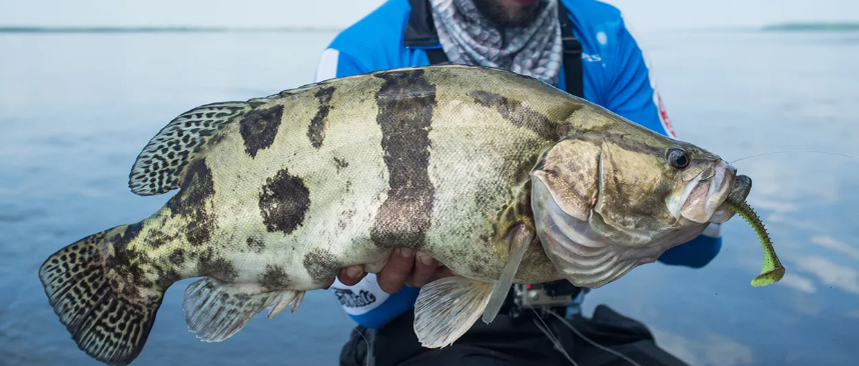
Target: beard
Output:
[(516, 16)]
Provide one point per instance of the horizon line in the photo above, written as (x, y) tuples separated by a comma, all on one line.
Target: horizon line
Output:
[(161, 29), (785, 26)]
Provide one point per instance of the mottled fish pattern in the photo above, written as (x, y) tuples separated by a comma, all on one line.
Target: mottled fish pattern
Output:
[(277, 194)]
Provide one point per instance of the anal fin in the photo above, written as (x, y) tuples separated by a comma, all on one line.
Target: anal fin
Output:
[(297, 302), (447, 308), (283, 300), (216, 311)]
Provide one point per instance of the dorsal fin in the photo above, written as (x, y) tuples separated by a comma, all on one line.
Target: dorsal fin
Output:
[(161, 165)]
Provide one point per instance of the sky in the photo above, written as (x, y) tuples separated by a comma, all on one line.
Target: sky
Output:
[(647, 14)]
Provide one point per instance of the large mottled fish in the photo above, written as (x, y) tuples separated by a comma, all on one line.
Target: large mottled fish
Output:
[(467, 164)]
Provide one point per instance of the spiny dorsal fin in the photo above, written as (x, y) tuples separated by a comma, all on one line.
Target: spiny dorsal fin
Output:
[(447, 308), (161, 165)]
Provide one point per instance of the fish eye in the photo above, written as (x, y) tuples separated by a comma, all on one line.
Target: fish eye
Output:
[(678, 158)]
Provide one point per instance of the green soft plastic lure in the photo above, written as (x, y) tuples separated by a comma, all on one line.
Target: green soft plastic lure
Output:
[(772, 270)]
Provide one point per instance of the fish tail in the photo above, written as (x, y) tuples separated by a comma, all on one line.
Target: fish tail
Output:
[(104, 318)]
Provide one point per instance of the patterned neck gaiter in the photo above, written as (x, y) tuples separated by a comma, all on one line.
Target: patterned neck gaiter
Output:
[(468, 38)]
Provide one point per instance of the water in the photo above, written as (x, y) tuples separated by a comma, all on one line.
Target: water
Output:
[(75, 109)]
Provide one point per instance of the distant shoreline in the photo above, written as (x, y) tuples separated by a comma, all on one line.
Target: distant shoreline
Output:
[(164, 30), (813, 27), (782, 27)]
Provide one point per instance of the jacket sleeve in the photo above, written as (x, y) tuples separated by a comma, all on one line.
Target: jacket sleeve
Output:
[(365, 302), (335, 64), (633, 94)]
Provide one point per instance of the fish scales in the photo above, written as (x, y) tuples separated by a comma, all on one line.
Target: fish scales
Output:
[(354, 178)]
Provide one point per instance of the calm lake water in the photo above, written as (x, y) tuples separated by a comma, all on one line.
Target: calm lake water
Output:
[(75, 110)]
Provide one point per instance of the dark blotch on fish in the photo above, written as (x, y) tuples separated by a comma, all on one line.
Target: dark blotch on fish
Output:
[(316, 130), (131, 232), (345, 217), (601, 137), (340, 163), (274, 278), (156, 239), (168, 278), (284, 201), (177, 258), (518, 114), (126, 263), (259, 128), (217, 267), (192, 201), (255, 245), (406, 101), (322, 266)]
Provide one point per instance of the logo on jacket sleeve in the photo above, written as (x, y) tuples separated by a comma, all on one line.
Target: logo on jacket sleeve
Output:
[(663, 116), (350, 299), (361, 298)]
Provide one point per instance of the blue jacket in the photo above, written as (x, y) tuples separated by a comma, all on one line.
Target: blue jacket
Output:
[(616, 76)]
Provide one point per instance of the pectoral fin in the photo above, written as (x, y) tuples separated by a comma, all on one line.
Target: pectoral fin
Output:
[(447, 308), (518, 240)]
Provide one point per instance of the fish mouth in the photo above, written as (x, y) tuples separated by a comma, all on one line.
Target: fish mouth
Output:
[(740, 190), (705, 195)]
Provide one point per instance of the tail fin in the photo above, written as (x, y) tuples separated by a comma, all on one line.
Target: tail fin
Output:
[(103, 323)]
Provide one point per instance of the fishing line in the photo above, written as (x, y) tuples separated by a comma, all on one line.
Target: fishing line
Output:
[(609, 350), (789, 151), (552, 337), (557, 343), (367, 342)]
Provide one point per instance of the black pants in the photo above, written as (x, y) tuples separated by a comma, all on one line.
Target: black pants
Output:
[(508, 341)]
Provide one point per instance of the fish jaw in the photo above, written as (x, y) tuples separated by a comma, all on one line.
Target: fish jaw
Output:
[(742, 187), (706, 193)]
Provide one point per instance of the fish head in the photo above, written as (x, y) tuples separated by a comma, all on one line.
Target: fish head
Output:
[(613, 195)]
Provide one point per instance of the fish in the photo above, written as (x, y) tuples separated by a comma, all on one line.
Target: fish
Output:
[(501, 177)]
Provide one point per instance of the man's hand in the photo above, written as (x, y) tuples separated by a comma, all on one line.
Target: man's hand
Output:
[(404, 267)]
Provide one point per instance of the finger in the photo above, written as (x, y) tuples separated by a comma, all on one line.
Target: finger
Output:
[(442, 272), (397, 270), (425, 267), (350, 276)]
